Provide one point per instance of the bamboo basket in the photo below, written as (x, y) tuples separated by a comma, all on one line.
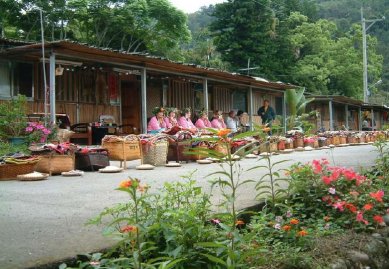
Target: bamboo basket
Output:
[(221, 148), (352, 140), (11, 171), (298, 142), (154, 154), (289, 145), (316, 144), (197, 154), (122, 148), (281, 145), (55, 164), (264, 147), (343, 140), (336, 140)]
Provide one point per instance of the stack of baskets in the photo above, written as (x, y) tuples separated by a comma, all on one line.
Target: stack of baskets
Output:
[(122, 148)]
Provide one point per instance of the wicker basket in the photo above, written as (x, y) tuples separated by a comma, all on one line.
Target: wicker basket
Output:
[(343, 140), (221, 148), (197, 153), (289, 145), (55, 164), (122, 148), (281, 145), (298, 142), (264, 147), (336, 140), (154, 152), (316, 144), (322, 142), (11, 171)]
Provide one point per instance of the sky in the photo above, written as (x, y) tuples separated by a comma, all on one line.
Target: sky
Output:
[(190, 6)]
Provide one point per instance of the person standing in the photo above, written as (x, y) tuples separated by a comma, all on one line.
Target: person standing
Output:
[(267, 114)]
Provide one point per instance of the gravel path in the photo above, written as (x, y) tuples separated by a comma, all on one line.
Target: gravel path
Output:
[(42, 222)]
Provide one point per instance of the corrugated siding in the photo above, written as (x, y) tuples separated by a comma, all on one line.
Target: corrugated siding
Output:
[(222, 99), (180, 94)]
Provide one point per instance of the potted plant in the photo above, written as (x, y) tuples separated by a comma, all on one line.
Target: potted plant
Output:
[(13, 120)]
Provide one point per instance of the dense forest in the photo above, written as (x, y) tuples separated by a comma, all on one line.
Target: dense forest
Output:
[(313, 43)]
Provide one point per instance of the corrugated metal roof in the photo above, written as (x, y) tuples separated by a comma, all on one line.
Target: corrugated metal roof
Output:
[(81, 50)]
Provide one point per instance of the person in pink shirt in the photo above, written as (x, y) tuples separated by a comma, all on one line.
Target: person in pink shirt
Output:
[(185, 122), (171, 119), (218, 121), (203, 122), (157, 123)]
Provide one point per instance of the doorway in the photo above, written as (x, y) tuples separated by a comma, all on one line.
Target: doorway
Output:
[(131, 105)]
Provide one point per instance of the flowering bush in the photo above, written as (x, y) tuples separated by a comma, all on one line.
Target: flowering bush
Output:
[(345, 195), (37, 132)]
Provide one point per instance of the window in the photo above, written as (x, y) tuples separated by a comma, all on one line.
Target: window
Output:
[(23, 79), (279, 106), (5, 79)]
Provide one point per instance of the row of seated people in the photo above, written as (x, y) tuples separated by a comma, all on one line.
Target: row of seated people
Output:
[(165, 120)]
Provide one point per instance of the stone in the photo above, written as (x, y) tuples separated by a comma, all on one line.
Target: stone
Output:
[(339, 264), (386, 219), (375, 247), (358, 257)]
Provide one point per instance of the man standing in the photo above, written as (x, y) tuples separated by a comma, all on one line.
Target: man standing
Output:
[(267, 114)]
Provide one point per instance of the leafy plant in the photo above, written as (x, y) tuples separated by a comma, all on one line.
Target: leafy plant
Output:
[(13, 117), (297, 103), (270, 184)]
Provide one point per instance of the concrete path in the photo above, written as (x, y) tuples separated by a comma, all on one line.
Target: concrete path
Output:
[(44, 221)]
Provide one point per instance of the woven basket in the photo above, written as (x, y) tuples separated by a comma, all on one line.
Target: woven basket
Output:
[(154, 152), (198, 155), (343, 140), (122, 148), (352, 140), (11, 171), (273, 147), (336, 140), (281, 145), (221, 148), (316, 144), (264, 147), (55, 164), (289, 145), (322, 143), (298, 142)]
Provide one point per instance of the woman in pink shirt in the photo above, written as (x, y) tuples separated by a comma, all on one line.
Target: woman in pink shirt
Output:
[(203, 122), (218, 121), (157, 123), (171, 119), (185, 122)]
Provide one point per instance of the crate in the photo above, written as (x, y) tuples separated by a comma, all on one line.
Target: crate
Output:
[(91, 161)]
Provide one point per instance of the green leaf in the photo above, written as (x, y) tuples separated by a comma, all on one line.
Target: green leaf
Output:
[(214, 259)]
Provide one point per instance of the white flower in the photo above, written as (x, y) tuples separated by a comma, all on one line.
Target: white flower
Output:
[(332, 190)]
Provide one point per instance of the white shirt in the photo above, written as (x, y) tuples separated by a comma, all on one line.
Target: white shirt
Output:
[(232, 124)]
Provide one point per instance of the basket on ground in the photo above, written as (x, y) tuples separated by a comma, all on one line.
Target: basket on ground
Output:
[(10, 171), (55, 164), (154, 150), (122, 148)]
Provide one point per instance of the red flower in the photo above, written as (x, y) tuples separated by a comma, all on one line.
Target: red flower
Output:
[(379, 219), (317, 168), (368, 207), (326, 180), (128, 229), (377, 195), (351, 207)]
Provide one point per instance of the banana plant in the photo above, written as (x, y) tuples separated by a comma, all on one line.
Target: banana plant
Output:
[(297, 104)]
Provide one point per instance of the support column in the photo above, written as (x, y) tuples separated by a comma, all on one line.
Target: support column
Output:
[(346, 116), (144, 100), (284, 113), (52, 89), (372, 120), (205, 94), (251, 109), (360, 118), (331, 115)]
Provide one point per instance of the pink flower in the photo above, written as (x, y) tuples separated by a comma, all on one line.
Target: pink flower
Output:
[(317, 168), (289, 214), (339, 205), (360, 218), (215, 221), (326, 180), (29, 129), (332, 190), (277, 226)]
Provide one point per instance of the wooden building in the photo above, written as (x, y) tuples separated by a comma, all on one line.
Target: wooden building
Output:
[(86, 82), (340, 112)]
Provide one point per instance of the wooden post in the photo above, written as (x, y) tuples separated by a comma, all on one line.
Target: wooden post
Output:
[(205, 94), (331, 115), (284, 113), (251, 109), (346, 116), (144, 100), (52, 88), (360, 118), (372, 119)]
